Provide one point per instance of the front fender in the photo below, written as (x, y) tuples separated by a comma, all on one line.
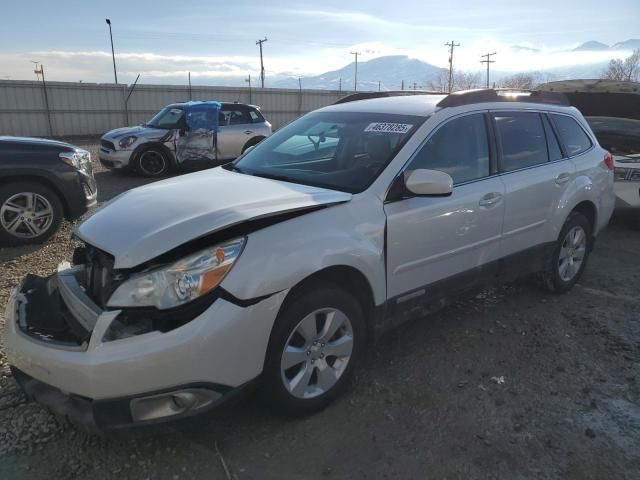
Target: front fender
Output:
[(278, 257)]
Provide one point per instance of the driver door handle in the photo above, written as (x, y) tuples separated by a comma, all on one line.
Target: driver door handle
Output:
[(248, 132), (490, 199)]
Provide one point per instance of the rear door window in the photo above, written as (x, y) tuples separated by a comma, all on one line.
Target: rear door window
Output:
[(521, 140), (572, 135), (230, 115), (256, 116)]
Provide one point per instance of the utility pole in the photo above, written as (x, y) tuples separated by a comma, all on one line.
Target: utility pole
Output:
[(488, 61), (113, 55), (190, 93), (402, 87), (260, 42), (340, 85), (451, 45), (248, 80), (46, 96), (378, 85), (355, 78)]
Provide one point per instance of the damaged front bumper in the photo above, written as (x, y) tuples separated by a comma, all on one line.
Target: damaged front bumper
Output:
[(54, 340)]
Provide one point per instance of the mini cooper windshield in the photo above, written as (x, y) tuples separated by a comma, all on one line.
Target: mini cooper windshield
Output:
[(339, 150), (167, 118)]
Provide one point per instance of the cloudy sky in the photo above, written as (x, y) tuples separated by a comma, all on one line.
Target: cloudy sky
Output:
[(165, 39)]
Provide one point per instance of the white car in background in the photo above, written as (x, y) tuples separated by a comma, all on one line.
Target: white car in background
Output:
[(621, 136), (279, 268)]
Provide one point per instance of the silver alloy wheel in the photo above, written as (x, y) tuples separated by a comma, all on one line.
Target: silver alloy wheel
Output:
[(152, 163), (317, 353), (26, 215), (572, 252)]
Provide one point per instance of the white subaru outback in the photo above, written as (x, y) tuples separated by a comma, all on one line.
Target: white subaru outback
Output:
[(284, 264)]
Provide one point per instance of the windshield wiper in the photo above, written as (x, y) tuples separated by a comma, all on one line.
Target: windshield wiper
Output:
[(233, 167), (271, 176)]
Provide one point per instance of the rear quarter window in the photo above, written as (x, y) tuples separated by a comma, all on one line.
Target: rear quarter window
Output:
[(572, 135)]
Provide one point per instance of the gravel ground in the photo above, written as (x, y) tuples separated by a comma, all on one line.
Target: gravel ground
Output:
[(512, 384)]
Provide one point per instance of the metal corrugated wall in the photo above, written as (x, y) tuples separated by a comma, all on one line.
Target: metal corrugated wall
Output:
[(93, 109)]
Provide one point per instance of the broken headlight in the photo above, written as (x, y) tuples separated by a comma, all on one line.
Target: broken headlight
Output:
[(180, 282)]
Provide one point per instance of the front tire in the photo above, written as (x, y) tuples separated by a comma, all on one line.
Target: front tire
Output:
[(29, 213), (152, 163), (570, 255), (314, 347)]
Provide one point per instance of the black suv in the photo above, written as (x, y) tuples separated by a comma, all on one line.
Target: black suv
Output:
[(41, 182)]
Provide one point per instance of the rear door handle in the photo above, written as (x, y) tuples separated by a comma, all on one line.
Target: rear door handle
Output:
[(248, 132), (563, 178), (490, 199)]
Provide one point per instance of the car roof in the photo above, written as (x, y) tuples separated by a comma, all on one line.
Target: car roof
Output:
[(418, 105), (224, 104)]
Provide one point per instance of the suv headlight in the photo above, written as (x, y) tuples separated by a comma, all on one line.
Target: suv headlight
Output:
[(77, 159), (126, 142), (181, 282)]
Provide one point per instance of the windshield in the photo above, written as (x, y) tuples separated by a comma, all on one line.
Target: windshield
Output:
[(339, 150), (167, 118)]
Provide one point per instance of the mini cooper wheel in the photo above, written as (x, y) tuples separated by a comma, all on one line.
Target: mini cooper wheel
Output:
[(29, 213), (570, 255), (314, 347), (152, 163)]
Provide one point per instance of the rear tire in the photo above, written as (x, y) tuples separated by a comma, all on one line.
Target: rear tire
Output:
[(315, 345), (30, 213), (570, 255)]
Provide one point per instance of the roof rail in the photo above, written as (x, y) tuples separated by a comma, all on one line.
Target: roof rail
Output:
[(467, 97), (352, 97)]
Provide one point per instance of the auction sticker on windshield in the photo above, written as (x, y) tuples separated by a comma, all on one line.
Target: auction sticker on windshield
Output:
[(389, 127)]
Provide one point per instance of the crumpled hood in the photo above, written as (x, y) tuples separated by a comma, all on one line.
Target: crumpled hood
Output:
[(148, 221), (138, 131)]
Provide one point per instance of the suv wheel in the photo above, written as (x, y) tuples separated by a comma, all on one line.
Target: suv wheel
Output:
[(314, 347), (152, 163), (570, 255), (29, 213)]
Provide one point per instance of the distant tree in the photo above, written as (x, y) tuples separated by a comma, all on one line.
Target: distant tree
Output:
[(466, 80), (525, 81), (461, 81), (624, 70), (440, 83)]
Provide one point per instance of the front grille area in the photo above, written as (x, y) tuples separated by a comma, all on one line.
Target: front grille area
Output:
[(107, 144), (100, 278)]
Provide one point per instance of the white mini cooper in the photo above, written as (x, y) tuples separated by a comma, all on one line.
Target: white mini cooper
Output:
[(280, 267)]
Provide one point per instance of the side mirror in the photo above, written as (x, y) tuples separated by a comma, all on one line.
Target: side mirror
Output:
[(428, 182)]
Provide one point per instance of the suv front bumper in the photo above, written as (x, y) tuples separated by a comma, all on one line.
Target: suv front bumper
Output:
[(218, 352)]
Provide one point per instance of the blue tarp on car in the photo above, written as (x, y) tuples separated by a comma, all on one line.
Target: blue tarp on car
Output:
[(202, 115)]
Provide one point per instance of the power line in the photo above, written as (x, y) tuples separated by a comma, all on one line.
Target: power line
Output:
[(451, 45), (488, 61), (355, 78), (260, 42)]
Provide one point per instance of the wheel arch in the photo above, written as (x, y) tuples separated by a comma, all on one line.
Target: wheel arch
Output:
[(344, 276), (30, 177), (589, 210), (252, 141), (168, 153)]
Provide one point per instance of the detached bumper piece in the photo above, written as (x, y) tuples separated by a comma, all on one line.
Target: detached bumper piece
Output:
[(98, 416)]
